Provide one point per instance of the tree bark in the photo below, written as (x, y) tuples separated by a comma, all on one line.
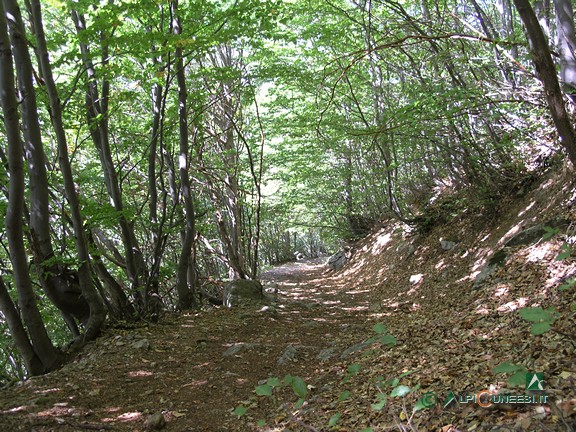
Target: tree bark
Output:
[(547, 74), (566, 41), (89, 293), (31, 360), (41, 343), (97, 112), (186, 276), (65, 294)]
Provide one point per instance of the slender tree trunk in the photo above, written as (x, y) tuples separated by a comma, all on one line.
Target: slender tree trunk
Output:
[(31, 360), (184, 285), (43, 348), (566, 45), (97, 111), (89, 293), (63, 292), (547, 74)]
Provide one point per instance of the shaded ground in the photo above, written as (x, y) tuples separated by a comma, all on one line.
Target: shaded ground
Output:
[(450, 333), (185, 367)]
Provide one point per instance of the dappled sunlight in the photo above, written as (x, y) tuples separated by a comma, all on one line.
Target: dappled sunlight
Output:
[(482, 310), (501, 291), (58, 410), (481, 256), (513, 305), (358, 291), (140, 373), (383, 270), (356, 308), (196, 383), (416, 279), (440, 265), (511, 232), (527, 208), (381, 241), (128, 417), (331, 302), (540, 251)]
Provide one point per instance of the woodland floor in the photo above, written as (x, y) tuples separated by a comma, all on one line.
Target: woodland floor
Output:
[(196, 368)]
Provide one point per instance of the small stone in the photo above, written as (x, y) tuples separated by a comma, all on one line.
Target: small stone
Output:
[(289, 355), (143, 344), (447, 244), (155, 422)]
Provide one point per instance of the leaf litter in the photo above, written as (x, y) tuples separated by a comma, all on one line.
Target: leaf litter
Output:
[(390, 332)]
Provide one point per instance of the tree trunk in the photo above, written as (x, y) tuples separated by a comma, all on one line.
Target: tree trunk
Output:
[(566, 45), (547, 74), (31, 360), (89, 293), (65, 294), (184, 285), (97, 112), (47, 354)]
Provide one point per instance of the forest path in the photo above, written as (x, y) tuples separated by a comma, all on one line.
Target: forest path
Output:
[(195, 368)]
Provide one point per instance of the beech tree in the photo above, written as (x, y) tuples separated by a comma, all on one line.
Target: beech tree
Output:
[(547, 71), (38, 353)]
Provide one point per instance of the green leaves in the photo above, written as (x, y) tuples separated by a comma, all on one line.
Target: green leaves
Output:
[(239, 411), (517, 373), (379, 328), (264, 390), (298, 385), (542, 318), (566, 252)]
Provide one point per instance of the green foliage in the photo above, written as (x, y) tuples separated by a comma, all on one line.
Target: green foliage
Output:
[(567, 285), (240, 411), (566, 252), (334, 419), (542, 318), (517, 373), (549, 232), (382, 336), (355, 119), (298, 385)]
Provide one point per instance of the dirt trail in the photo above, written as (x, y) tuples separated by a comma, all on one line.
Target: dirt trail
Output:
[(193, 368)]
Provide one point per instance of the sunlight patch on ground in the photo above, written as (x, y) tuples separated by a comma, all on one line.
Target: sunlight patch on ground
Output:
[(416, 279), (470, 277), (511, 232), (355, 292), (501, 290), (128, 417), (197, 383), (412, 290), (540, 251), (49, 390), (140, 373), (17, 409), (513, 305), (380, 243), (482, 310), (331, 302), (356, 308), (528, 207), (60, 409)]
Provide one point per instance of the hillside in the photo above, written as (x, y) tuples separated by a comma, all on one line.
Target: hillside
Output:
[(451, 329)]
